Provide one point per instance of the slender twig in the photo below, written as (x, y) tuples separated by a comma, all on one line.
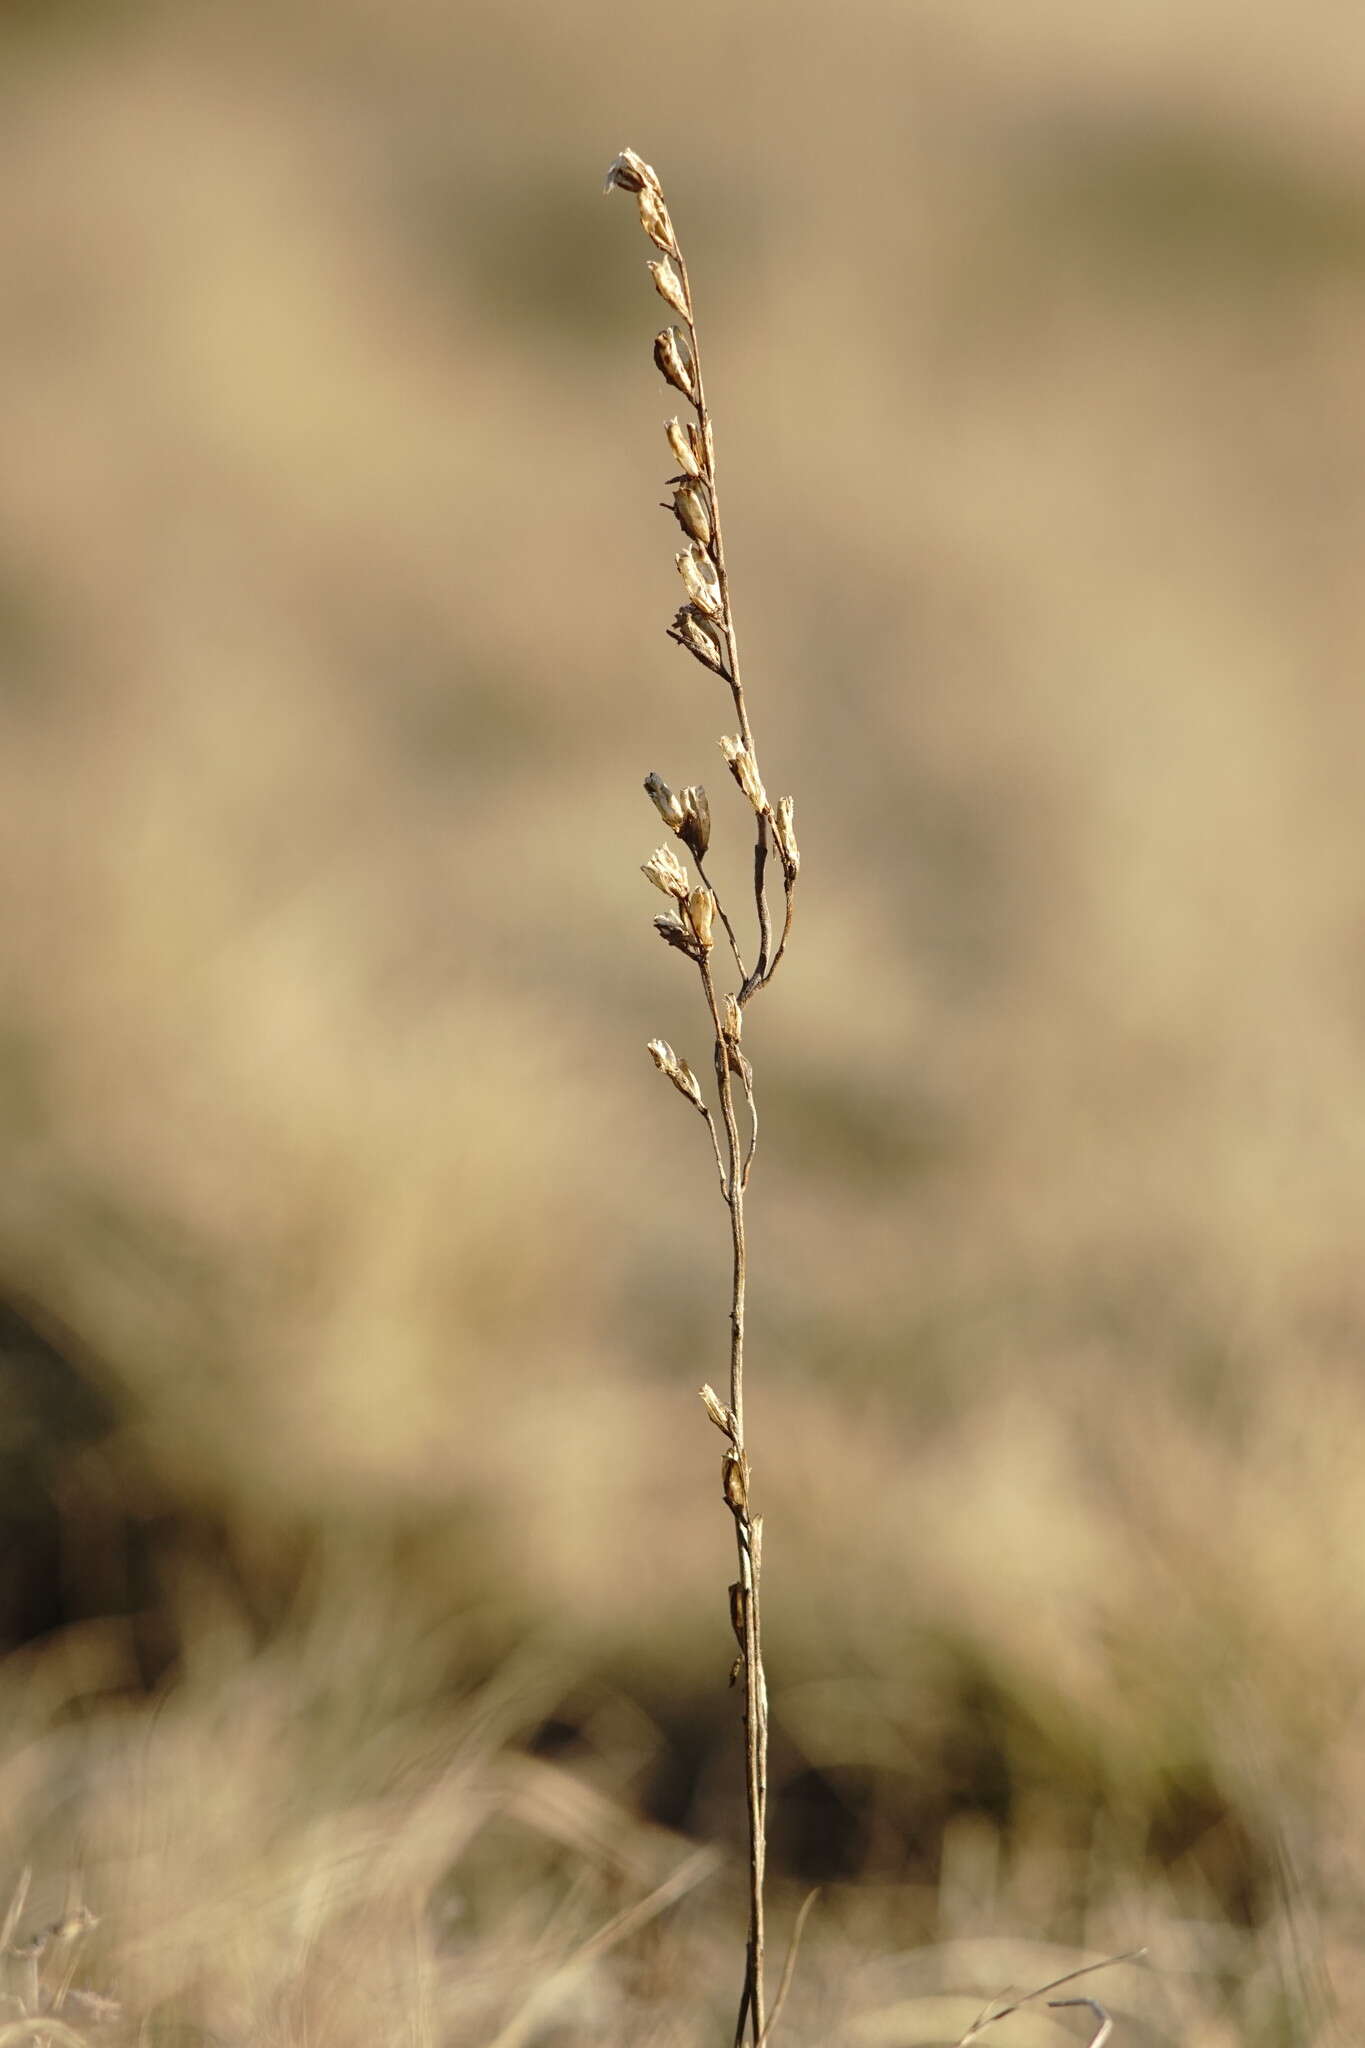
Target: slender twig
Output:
[(705, 628), (999, 2009)]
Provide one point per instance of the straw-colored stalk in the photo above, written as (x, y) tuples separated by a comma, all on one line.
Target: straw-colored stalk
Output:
[(694, 925)]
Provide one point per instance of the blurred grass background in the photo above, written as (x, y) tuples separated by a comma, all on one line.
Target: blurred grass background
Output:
[(363, 1565)]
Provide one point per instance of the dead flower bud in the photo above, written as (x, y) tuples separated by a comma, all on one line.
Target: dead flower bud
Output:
[(691, 631), (663, 1056), (692, 514), (734, 1480), (670, 287), (672, 359), (685, 1081), (718, 1412), (683, 453), (701, 911), (655, 221), (665, 871), (630, 173), (744, 768), (700, 580), (695, 829), (737, 1614), (678, 1071), (674, 932), (665, 802), (784, 832)]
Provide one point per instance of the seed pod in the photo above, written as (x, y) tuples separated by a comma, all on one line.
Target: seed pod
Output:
[(630, 173), (691, 631), (674, 932), (670, 287), (700, 580), (737, 1611), (683, 453), (784, 832), (734, 1480), (701, 911), (685, 1081), (733, 1019), (744, 768), (663, 1056), (668, 806), (672, 363), (718, 1412), (665, 871), (695, 829), (655, 221), (692, 514)]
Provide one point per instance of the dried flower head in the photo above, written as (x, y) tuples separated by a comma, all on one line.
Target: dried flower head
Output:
[(675, 932), (734, 1479), (718, 1412), (784, 832), (695, 829), (701, 911), (684, 454), (699, 577), (744, 768), (655, 221), (678, 1071), (668, 283), (665, 871), (692, 513), (693, 632), (669, 806), (630, 173), (673, 358)]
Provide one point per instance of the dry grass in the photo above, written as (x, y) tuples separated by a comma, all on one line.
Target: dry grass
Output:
[(323, 1159), (704, 627)]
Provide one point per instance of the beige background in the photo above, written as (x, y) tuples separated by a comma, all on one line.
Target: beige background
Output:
[(332, 597)]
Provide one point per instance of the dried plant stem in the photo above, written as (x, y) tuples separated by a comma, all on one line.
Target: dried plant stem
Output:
[(748, 1541), (705, 627)]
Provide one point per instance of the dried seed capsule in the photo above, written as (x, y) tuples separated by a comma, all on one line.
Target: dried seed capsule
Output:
[(734, 1479), (784, 832), (669, 807), (655, 221), (674, 932), (695, 829), (737, 1615), (701, 911), (691, 631), (630, 173), (733, 1018), (670, 287), (665, 871), (699, 577), (744, 768), (683, 453), (685, 1081), (673, 362), (663, 1056), (718, 1412), (692, 513)]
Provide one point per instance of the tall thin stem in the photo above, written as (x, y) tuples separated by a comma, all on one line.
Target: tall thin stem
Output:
[(705, 626)]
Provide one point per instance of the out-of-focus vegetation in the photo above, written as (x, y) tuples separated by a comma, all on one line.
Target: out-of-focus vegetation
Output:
[(362, 1578)]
